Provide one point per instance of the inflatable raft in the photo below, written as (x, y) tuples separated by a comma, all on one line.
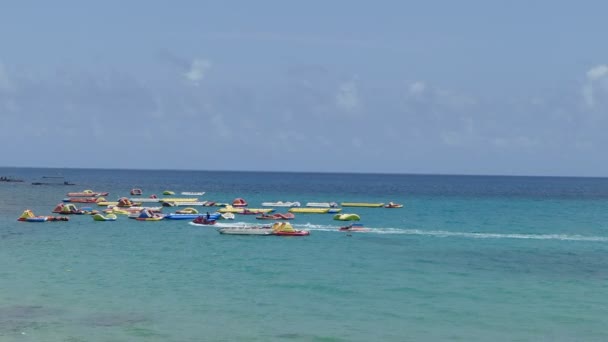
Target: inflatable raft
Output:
[(347, 217), (322, 204), (309, 210), (281, 204), (286, 229), (109, 217), (231, 209)]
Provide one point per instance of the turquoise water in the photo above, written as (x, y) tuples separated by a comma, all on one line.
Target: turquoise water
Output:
[(466, 259)]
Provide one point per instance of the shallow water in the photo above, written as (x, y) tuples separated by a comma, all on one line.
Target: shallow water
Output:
[(467, 258)]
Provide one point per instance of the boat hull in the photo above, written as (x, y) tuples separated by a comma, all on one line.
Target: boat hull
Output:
[(246, 231)]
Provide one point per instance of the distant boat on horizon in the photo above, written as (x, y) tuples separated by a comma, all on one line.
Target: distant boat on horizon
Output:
[(53, 183), (10, 179)]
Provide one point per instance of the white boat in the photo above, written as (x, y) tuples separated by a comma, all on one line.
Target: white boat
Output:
[(281, 204), (246, 231), (322, 204), (188, 193)]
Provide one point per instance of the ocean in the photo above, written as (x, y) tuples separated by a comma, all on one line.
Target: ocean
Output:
[(468, 258)]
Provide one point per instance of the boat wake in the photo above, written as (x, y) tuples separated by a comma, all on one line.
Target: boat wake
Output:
[(470, 235)]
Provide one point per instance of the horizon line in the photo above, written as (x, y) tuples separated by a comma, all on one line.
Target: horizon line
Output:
[(314, 172)]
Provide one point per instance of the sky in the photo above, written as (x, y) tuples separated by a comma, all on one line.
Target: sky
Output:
[(441, 87)]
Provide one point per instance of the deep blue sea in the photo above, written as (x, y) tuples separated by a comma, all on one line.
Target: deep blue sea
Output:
[(468, 258)]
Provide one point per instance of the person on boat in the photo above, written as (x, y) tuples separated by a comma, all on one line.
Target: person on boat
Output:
[(207, 216)]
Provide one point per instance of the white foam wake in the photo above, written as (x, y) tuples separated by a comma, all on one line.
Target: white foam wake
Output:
[(470, 235)]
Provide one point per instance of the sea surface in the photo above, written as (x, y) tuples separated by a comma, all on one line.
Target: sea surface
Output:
[(468, 258)]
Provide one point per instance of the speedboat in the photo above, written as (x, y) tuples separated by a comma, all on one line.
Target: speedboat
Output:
[(264, 230), (393, 205), (355, 227), (204, 221), (281, 204)]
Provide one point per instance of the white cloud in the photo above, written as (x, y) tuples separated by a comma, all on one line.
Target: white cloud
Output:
[(595, 75), (347, 97), (597, 72), (197, 70), (417, 88)]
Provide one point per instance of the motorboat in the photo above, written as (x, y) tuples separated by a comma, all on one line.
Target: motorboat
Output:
[(393, 205), (10, 179), (204, 221), (281, 204), (256, 230), (168, 192), (354, 227)]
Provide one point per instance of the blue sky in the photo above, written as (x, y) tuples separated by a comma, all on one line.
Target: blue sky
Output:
[(467, 87)]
